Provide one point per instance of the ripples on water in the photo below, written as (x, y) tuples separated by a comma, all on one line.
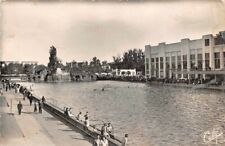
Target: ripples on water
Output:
[(151, 115)]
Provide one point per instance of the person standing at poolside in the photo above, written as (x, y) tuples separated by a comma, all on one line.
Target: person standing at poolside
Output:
[(43, 99), (97, 141), (125, 140), (109, 128), (104, 141)]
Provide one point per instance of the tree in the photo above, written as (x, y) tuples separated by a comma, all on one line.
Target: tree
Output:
[(13, 68), (39, 68), (95, 65), (131, 59), (117, 62), (28, 69), (53, 60)]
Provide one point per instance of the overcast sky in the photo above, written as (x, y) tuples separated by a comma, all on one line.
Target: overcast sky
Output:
[(80, 31)]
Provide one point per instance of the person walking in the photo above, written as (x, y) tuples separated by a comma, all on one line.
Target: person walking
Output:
[(40, 107), (30, 98), (19, 107), (1, 92), (35, 107)]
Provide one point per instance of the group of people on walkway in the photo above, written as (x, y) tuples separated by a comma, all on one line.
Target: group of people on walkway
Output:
[(7, 85), (38, 104), (106, 129)]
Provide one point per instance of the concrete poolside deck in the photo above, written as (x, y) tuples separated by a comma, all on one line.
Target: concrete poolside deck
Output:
[(183, 85), (33, 129)]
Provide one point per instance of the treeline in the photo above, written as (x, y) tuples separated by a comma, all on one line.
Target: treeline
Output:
[(132, 59), (18, 68)]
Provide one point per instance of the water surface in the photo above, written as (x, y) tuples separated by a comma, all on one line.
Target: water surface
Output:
[(151, 115)]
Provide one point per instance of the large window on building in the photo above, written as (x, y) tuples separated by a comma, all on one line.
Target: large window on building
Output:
[(147, 65), (184, 62), (217, 60), (157, 67), (178, 76), (224, 59), (161, 63), (167, 67), (173, 61), (207, 61), (152, 66), (179, 63), (206, 42), (199, 62), (192, 61)]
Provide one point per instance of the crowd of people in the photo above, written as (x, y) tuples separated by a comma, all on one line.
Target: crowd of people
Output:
[(193, 81), (106, 129), (17, 88), (123, 78)]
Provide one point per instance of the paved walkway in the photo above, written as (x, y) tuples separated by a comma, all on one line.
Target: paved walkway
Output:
[(33, 129)]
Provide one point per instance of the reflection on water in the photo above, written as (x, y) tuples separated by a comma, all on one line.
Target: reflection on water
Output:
[(152, 116)]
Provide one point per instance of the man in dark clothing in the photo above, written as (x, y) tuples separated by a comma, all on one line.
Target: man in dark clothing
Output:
[(43, 99), (19, 107), (30, 96), (40, 107)]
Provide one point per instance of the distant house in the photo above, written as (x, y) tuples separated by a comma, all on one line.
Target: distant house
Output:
[(124, 72)]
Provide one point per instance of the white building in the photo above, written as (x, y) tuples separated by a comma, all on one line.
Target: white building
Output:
[(187, 58), (124, 72)]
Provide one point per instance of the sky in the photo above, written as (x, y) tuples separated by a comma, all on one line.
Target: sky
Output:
[(82, 30)]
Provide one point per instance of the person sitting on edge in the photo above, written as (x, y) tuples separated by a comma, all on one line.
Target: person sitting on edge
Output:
[(79, 116), (70, 113), (104, 130), (86, 115), (86, 122), (66, 112), (109, 128)]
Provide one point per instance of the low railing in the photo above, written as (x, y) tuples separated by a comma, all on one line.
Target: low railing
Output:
[(91, 131)]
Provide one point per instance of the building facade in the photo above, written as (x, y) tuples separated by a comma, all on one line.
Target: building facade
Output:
[(124, 72), (186, 59)]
